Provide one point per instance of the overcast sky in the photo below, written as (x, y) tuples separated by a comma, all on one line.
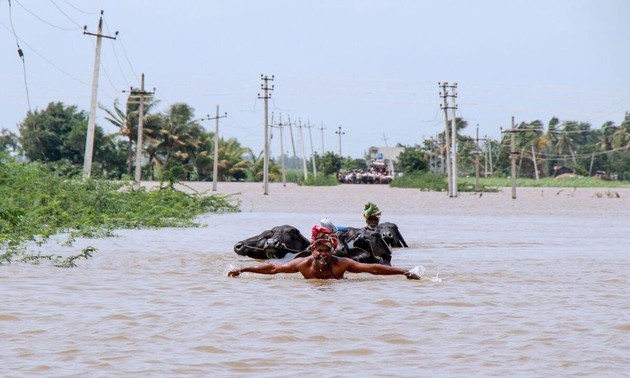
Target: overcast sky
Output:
[(371, 67)]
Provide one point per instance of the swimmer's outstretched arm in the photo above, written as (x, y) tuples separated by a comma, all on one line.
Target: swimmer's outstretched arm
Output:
[(378, 269), (290, 267)]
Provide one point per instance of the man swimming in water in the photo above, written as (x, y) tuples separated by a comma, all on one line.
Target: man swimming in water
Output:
[(321, 264)]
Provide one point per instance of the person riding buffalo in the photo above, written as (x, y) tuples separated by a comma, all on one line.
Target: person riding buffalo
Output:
[(321, 264), (372, 215)]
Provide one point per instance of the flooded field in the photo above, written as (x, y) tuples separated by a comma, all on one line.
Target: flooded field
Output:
[(533, 286)]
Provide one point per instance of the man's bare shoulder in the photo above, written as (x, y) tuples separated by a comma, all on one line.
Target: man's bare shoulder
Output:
[(298, 261), (344, 261)]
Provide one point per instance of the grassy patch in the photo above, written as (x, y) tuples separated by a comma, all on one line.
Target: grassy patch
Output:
[(439, 183), (37, 203), (320, 180)]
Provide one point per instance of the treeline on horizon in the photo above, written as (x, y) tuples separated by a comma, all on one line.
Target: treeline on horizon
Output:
[(176, 147)]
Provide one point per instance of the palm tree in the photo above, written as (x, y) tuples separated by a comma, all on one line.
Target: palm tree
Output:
[(127, 124), (204, 155), (604, 137), (177, 139), (567, 141), (527, 141), (621, 137), (231, 164)]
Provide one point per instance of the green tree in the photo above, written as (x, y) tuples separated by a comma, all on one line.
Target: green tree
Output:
[(112, 158), (127, 123), (412, 159), (573, 134), (176, 143), (204, 156), (56, 133), (349, 164), (9, 141), (329, 164), (231, 164)]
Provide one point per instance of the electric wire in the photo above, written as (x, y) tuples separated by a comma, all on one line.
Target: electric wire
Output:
[(122, 73), (21, 55), (65, 14), (76, 8), (47, 22)]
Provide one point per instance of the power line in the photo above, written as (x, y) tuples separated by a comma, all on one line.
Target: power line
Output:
[(65, 14), (127, 57), (75, 8), (47, 22), (21, 55), (46, 59)]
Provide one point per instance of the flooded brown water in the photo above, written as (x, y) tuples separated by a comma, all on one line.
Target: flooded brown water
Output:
[(536, 286)]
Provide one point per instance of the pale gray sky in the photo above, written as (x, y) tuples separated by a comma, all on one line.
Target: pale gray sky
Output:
[(371, 67)]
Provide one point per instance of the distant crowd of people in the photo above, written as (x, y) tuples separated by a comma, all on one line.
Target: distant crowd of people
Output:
[(360, 176)]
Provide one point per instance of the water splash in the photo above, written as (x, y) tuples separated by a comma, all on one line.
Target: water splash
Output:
[(420, 271), (228, 269), (436, 278)]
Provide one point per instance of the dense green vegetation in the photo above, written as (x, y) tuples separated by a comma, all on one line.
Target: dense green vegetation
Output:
[(38, 202), (176, 147)]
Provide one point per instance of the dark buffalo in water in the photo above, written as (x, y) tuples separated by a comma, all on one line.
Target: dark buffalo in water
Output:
[(363, 245), (275, 243), (390, 233), (358, 244)]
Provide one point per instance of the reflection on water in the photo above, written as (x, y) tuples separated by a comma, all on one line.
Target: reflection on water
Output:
[(513, 289)]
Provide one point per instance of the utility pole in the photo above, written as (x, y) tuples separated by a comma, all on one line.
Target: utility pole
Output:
[(303, 153), (266, 95), (292, 141), (284, 176), (385, 139), (536, 164), (454, 138), (340, 133), (310, 136), (89, 139), (449, 172), (141, 95), (477, 186), (321, 131), (489, 155), (215, 165), (513, 155), (477, 153)]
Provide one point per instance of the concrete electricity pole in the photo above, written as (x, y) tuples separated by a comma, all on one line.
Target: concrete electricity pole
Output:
[(321, 131), (284, 176), (513, 155), (340, 133), (477, 153), (215, 165), (454, 138), (89, 139), (266, 95), (449, 172), (292, 141), (141, 96), (310, 136), (303, 153)]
